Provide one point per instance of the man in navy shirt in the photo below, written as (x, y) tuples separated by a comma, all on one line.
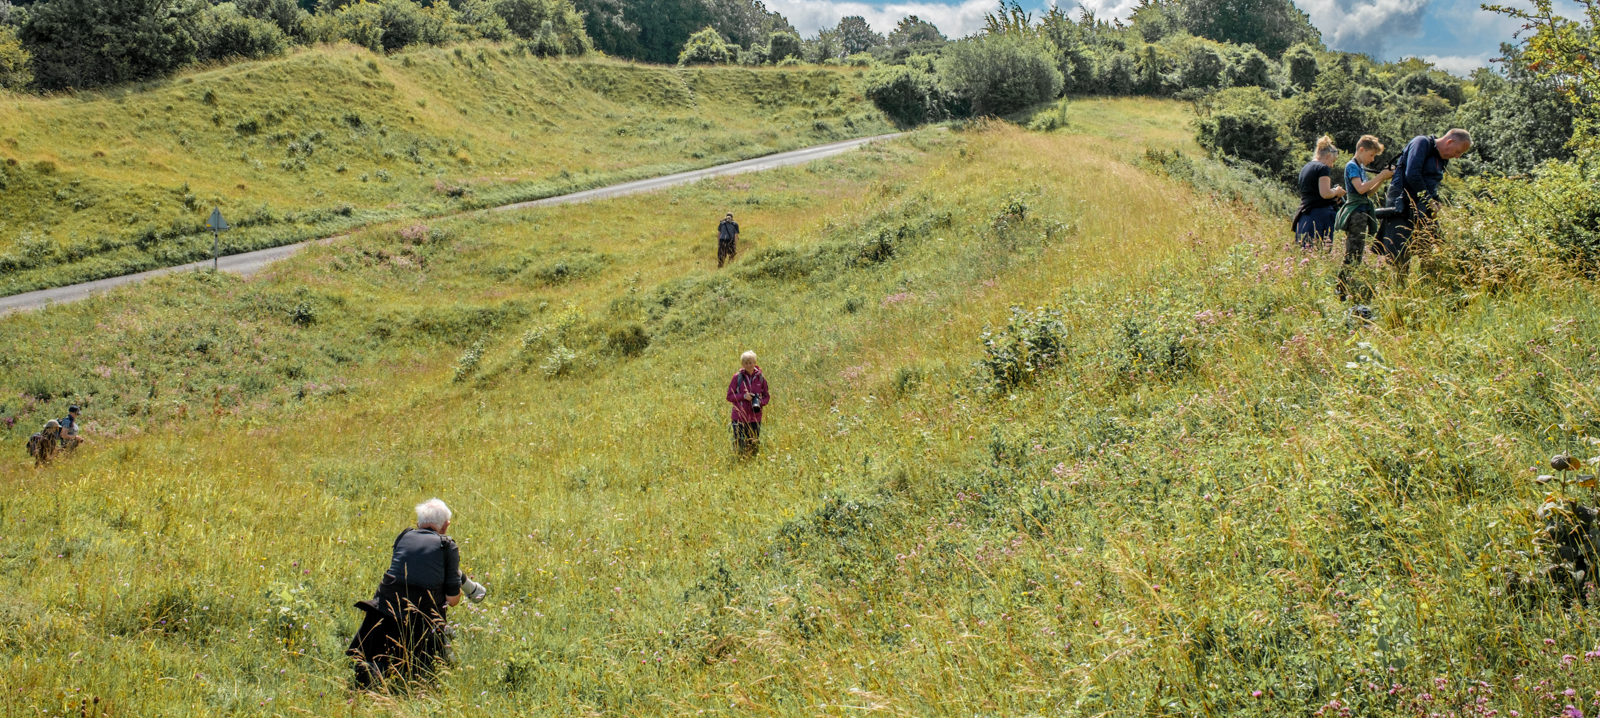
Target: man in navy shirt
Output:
[(1415, 190)]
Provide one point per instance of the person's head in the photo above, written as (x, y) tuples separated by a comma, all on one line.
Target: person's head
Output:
[(747, 361), (52, 426), (729, 217), (1325, 153), (1368, 148), (433, 514), (1454, 143)]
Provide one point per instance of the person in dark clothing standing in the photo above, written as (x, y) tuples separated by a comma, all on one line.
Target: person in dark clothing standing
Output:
[(1313, 224), (749, 395), (1415, 191), (727, 240), (404, 628), (1355, 218)]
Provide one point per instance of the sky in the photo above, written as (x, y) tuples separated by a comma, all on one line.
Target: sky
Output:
[(1456, 35)]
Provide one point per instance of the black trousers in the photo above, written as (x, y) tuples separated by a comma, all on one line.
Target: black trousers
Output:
[(726, 248), (401, 635), (746, 438)]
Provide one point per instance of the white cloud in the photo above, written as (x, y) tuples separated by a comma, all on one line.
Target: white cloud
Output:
[(1105, 9), (1462, 65), (954, 20), (1365, 26)]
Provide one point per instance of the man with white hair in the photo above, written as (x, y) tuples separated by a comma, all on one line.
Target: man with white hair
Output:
[(1414, 193), (405, 623)]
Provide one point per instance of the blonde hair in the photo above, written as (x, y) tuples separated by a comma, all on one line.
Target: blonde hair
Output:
[(1324, 144), (1368, 142), (747, 356)]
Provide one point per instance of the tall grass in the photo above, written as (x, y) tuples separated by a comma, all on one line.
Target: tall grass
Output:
[(1221, 496), (335, 137)]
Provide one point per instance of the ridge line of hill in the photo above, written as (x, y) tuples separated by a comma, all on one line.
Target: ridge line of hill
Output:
[(248, 263)]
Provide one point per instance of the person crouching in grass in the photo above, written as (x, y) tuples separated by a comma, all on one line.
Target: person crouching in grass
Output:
[(749, 395)]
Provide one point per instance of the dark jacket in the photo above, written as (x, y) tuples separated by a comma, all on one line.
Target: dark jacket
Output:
[(1417, 173), (743, 411), (727, 231), (403, 626), (427, 560)]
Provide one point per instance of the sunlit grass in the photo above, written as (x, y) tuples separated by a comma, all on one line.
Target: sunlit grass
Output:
[(1202, 501)]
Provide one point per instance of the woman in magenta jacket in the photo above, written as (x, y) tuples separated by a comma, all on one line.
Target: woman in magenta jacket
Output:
[(748, 394)]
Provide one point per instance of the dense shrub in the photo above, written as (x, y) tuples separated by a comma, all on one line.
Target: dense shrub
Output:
[(1000, 74), (15, 72), (1517, 121), (385, 26), (286, 14), (223, 33), (1244, 124), (1031, 343), (1509, 232), (1202, 68), (782, 46), (1272, 26), (902, 93), (90, 43), (1436, 82), (551, 27), (1301, 64), (707, 48), (1250, 68)]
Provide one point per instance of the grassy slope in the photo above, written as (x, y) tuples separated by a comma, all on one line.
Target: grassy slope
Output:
[(335, 137), (1202, 503)]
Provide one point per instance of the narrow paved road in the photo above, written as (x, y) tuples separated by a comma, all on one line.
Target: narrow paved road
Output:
[(249, 263)]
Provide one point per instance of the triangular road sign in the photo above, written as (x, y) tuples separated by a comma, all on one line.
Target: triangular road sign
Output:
[(217, 222)]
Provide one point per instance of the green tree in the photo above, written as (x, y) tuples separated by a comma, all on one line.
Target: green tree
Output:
[(1244, 123), (1272, 26), (223, 33), (1518, 120), (707, 48), (1000, 74), (15, 73), (550, 26), (1301, 63), (855, 35), (1248, 67), (286, 14), (783, 45), (89, 43), (912, 29), (1202, 67)]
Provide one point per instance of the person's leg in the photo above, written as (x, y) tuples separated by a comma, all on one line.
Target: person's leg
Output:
[(1355, 249), (755, 438)]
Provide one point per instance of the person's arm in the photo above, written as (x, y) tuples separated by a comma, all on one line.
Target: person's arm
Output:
[(766, 394), (1416, 183), (452, 573), (1365, 186), (1326, 189), (733, 390)]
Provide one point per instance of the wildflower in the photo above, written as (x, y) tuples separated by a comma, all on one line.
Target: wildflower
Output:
[(1255, 694)]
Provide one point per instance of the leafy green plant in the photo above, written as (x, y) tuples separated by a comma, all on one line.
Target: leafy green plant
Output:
[(1031, 343)]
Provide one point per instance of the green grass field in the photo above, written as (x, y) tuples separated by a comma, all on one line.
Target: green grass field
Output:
[(332, 138), (1197, 489)]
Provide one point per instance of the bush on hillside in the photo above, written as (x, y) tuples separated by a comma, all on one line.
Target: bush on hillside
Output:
[(1202, 68), (1334, 108), (1300, 62), (385, 26), (1243, 124), (707, 48), (1517, 121), (551, 27), (1435, 82), (1272, 26), (1000, 74), (1249, 67), (1510, 232), (480, 19), (79, 44), (286, 14), (15, 73), (223, 34), (906, 93), (782, 46)]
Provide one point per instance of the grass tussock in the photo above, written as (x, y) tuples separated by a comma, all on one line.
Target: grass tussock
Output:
[(1119, 452)]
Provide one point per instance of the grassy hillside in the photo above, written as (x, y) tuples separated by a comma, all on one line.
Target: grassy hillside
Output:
[(336, 137), (1051, 435)]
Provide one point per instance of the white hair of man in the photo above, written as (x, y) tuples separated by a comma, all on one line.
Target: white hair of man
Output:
[(1459, 135), (747, 356), (432, 513)]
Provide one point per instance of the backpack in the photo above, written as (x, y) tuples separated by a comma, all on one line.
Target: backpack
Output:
[(35, 444)]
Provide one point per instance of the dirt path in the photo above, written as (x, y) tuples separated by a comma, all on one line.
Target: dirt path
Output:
[(248, 263)]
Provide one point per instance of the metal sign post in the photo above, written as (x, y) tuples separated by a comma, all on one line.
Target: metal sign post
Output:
[(217, 225)]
